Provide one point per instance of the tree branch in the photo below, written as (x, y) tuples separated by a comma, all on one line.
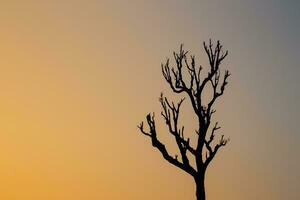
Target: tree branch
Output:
[(171, 114), (174, 76), (208, 144), (161, 147)]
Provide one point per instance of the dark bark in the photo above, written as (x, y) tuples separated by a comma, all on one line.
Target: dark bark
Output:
[(200, 188), (207, 145)]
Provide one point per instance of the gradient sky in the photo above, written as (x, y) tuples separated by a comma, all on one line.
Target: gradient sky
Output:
[(76, 77)]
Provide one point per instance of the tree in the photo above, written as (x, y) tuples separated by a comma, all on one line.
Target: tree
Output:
[(192, 85)]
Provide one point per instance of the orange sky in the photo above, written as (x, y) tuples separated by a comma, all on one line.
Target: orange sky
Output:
[(76, 78)]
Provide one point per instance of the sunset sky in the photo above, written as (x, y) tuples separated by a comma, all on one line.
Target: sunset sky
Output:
[(77, 77)]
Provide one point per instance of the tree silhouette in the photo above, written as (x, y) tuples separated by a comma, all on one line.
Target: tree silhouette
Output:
[(192, 84)]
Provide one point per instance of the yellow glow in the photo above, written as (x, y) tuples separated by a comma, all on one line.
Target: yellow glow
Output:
[(75, 80)]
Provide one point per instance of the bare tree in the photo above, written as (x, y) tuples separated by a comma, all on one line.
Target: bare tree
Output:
[(207, 145)]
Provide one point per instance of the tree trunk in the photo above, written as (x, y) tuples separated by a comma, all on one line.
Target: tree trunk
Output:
[(200, 188)]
